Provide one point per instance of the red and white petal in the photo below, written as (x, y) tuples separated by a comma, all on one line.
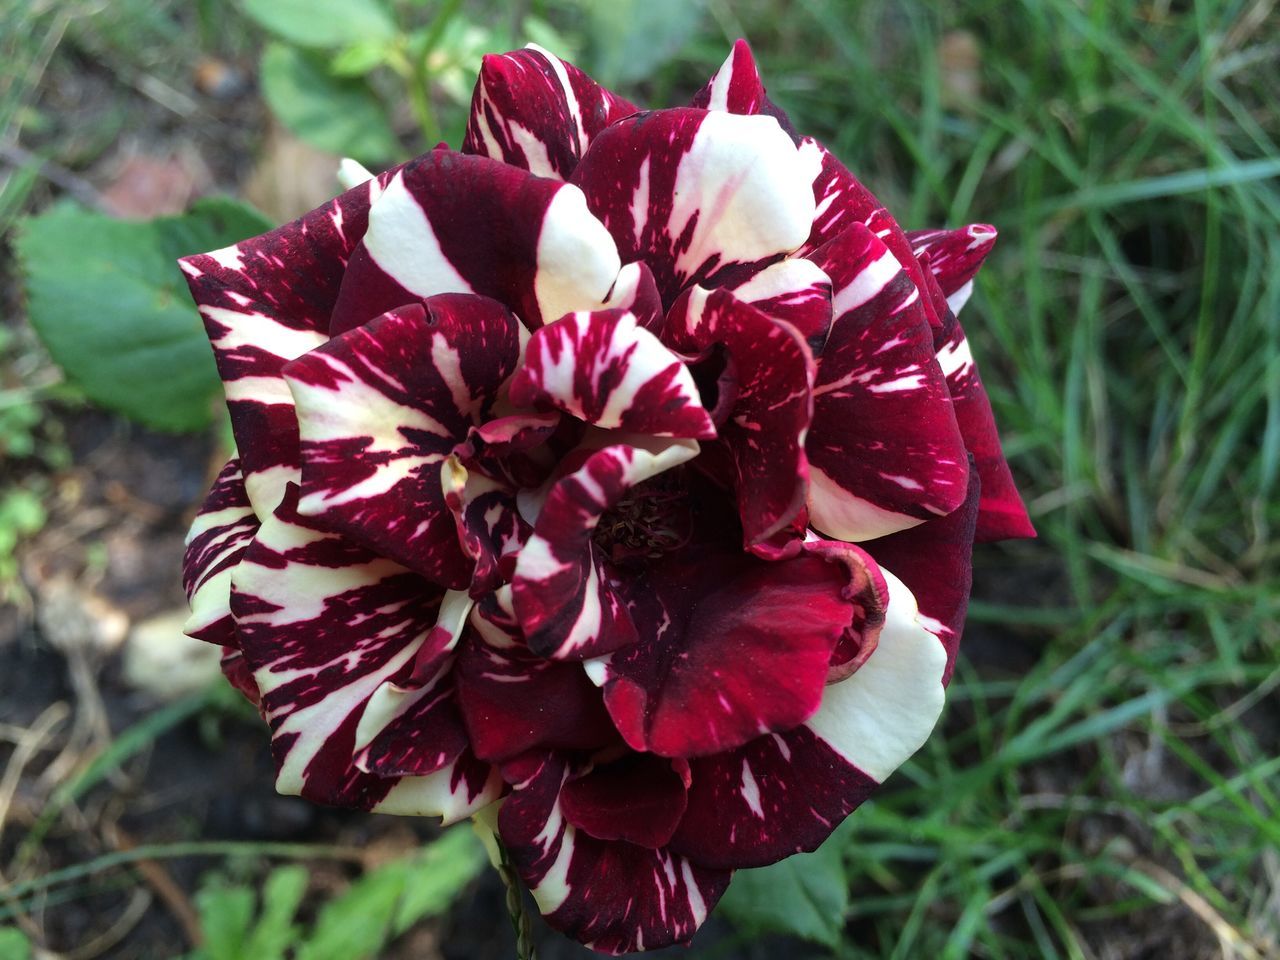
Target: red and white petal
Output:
[(323, 624), (514, 701), (563, 593), (637, 292), (843, 201), (885, 452), (533, 110), (606, 369), (266, 301), (613, 896), (487, 518), (784, 793), (239, 675), (215, 543), (935, 561), (954, 257), (452, 223), (732, 647), (771, 373), (796, 291), (381, 407), (737, 88), (1001, 512), (638, 798), (701, 197)]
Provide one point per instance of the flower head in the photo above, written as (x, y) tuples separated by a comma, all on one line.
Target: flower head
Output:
[(622, 469)]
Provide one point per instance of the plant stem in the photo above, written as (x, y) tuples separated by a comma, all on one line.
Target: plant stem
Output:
[(520, 922)]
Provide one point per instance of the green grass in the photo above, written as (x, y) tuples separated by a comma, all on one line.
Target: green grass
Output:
[(1111, 790)]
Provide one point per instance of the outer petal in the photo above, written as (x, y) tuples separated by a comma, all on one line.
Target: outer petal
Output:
[(605, 369), (784, 793), (732, 647), (382, 406), (613, 896), (737, 88), (954, 257), (702, 197), (533, 110), (323, 624), (884, 449), (564, 597), (843, 201), (217, 540), (772, 372), (452, 223), (264, 302), (637, 798)]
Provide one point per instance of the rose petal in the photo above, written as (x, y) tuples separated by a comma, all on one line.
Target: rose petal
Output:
[(737, 88), (533, 110), (323, 623), (564, 597), (884, 449), (452, 223), (613, 896), (700, 196), (796, 291), (732, 646), (382, 406), (638, 798), (954, 257), (768, 418), (785, 793), (604, 368), (637, 292), (266, 301), (215, 543)]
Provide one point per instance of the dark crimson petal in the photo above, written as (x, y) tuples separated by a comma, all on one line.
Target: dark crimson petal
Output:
[(324, 624), (604, 368), (535, 111), (773, 372), (699, 196), (737, 88), (954, 257), (564, 597), (379, 410), (1001, 513), (638, 798), (842, 201), (885, 452), (867, 591), (514, 701), (614, 897), (452, 223), (266, 301), (637, 292), (796, 291), (736, 646), (785, 793), (239, 675), (935, 560), (215, 543)]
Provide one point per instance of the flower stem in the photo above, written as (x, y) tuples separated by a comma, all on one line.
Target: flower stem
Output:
[(520, 922)]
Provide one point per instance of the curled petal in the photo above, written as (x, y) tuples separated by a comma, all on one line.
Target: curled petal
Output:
[(605, 369), (264, 302), (533, 110), (885, 451), (563, 590), (614, 896), (737, 88), (638, 798), (772, 373), (381, 407), (218, 537), (637, 292), (733, 647), (784, 793), (702, 197), (796, 291), (452, 223), (954, 257), (323, 624)]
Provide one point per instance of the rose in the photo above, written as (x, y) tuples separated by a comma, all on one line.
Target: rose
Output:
[(572, 469)]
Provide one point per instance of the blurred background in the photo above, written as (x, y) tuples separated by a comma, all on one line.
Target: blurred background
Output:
[(1104, 784)]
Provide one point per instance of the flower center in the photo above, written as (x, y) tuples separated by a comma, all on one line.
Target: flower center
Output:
[(653, 519)]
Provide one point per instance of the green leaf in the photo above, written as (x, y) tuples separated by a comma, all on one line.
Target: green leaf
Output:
[(14, 944), (109, 302), (275, 931), (226, 912), (631, 38), (340, 115), (323, 23), (444, 869), (359, 58), (803, 896)]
